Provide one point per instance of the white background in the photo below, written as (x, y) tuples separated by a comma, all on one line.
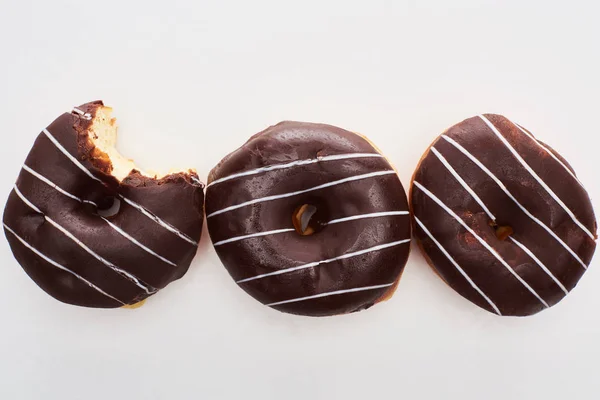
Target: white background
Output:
[(190, 82)]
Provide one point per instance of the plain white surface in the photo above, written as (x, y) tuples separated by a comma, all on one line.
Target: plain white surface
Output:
[(191, 81)]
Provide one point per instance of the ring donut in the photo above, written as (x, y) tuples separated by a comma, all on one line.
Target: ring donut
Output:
[(309, 219), (502, 217), (89, 227)]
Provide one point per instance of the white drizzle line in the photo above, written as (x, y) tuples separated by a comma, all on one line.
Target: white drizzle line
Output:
[(334, 221), (462, 272), (134, 241), (55, 186), (85, 115), (505, 190), (235, 239), (281, 196), (198, 181), (295, 164), (26, 201), (462, 182), (118, 270), (537, 178), (133, 278), (316, 263), (69, 156), (130, 202), (334, 293), (483, 242), (159, 221), (57, 265), (540, 264), (371, 215), (548, 151)]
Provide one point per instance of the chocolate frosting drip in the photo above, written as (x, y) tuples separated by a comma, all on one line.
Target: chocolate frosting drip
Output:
[(532, 234), (74, 254), (338, 269)]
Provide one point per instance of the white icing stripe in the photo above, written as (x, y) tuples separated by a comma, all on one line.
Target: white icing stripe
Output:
[(130, 202), (463, 183), (235, 239), (540, 264), (159, 221), (462, 272), (134, 241), (335, 293), (371, 215), (316, 263), (55, 186), (483, 242), (509, 194), (57, 265), (118, 270), (295, 164), (323, 186), (537, 178), (69, 156), (335, 221), (26, 201), (548, 151), (85, 115), (198, 181), (131, 277)]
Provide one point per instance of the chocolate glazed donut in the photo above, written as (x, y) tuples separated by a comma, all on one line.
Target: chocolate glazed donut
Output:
[(89, 229), (309, 219), (502, 217)]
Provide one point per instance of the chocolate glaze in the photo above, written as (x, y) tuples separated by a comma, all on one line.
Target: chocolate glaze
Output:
[(510, 296), (175, 200), (284, 143)]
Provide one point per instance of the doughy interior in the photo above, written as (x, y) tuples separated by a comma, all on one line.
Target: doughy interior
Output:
[(103, 134)]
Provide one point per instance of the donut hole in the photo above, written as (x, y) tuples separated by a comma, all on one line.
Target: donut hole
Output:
[(502, 231), (305, 221), (109, 207)]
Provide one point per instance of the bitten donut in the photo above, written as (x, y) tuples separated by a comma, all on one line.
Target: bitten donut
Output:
[(89, 227), (502, 217), (309, 219)]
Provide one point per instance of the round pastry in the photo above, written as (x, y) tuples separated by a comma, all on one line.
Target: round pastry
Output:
[(309, 219), (89, 227), (502, 217)]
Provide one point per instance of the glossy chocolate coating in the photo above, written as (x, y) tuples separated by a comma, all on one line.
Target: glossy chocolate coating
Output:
[(494, 280), (288, 142), (175, 199)]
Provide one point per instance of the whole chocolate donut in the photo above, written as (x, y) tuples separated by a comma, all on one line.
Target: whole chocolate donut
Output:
[(309, 219), (502, 217), (88, 227)]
